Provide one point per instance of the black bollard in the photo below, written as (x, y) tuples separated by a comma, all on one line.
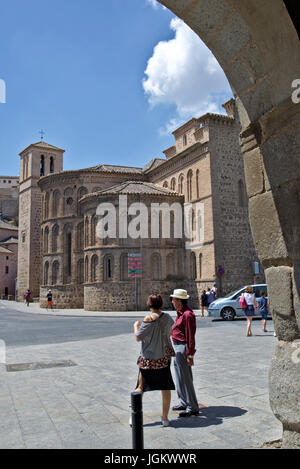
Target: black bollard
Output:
[(137, 420)]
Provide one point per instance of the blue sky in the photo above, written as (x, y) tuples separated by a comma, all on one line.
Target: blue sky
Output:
[(107, 80)]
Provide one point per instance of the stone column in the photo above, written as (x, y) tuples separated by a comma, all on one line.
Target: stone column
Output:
[(271, 148)]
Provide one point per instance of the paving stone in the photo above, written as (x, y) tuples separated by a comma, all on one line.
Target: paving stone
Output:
[(88, 406)]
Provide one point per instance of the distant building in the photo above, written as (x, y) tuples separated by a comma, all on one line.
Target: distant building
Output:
[(8, 258), (9, 197), (59, 247)]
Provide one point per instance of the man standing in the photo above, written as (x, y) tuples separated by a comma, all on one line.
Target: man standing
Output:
[(49, 300), (184, 345)]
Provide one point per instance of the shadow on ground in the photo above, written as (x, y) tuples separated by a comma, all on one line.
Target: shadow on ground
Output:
[(208, 416)]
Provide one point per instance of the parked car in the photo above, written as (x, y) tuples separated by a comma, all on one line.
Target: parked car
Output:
[(229, 307)]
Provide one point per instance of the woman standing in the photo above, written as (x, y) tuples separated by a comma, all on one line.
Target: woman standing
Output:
[(27, 297), (250, 308), (204, 303), (156, 352)]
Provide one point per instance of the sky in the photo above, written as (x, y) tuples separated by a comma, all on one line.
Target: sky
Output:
[(107, 80)]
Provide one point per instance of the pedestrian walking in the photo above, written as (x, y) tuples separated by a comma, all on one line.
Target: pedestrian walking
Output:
[(204, 304), (49, 300), (27, 297), (184, 345), (156, 351), (215, 291), (210, 296), (263, 309), (250, 303)]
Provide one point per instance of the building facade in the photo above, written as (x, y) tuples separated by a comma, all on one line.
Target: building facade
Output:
[(9, 197), (60, 247), (8, 259)]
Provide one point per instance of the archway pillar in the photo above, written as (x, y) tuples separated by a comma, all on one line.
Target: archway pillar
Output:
[(271, 149)]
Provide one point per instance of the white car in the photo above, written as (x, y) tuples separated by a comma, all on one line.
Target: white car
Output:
[(229, 307)]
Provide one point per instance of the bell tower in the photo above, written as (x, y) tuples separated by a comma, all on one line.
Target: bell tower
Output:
[(38, 160)]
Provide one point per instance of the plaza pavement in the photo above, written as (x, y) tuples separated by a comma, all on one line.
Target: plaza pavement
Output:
[(87, 405)]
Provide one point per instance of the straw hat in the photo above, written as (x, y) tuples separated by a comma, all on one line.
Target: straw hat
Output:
[(180, 294)]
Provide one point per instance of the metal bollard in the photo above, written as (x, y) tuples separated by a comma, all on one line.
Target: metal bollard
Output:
[(137, 420)]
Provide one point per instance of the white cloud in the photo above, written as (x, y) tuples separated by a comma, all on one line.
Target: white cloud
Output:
[(183, 72), (155, 4)]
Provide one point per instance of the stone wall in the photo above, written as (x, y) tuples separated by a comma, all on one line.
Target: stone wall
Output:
[(121, 296), (214, 161), (234, 246), (8, 280), (24, 243), (64, 296), (61, 211), (9, 198)]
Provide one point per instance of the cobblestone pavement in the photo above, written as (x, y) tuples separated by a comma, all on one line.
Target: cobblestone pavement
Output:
[(87, 405)]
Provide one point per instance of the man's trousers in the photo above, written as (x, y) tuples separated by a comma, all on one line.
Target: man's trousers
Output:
[(184, 379)]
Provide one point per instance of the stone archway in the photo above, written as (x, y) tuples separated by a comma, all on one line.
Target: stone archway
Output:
[(258, 47)]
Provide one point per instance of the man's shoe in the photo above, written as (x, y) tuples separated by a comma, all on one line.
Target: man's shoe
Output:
[(188, 414), (179, 407)]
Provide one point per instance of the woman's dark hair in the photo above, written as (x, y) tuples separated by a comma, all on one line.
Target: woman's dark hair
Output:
[(262, 293), (184, 302), (154, 301)]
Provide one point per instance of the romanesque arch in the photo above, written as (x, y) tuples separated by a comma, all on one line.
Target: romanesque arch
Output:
[(257, 45)]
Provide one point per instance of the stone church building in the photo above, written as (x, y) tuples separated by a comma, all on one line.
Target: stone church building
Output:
[(59, 246)]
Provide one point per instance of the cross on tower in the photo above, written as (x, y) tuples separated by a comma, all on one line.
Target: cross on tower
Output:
[(42, 133)]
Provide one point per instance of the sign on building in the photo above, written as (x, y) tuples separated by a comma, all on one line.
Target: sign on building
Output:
[(135, 268)]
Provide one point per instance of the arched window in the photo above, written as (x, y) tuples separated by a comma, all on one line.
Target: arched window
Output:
[(193, 266), (82, 191), (55, 272), (200, 265), (86, 269), (166, 184), (80, 236), (68, 202), (94, 265), (171, 264), (190, 223), (80, 271), (184, 139), (87, 231), (93, 230), (55, 236), (108, 267), (51, 164), (46, 273), (173, 184), (124, 267), (46, 205), (26, 167), (156, 267), (46, 240), (197, 183), (190, 185), (42, 166), (67, 250), (56, 202), (181, 184)]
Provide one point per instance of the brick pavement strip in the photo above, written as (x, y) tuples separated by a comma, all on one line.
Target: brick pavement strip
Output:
[(87, 406)]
